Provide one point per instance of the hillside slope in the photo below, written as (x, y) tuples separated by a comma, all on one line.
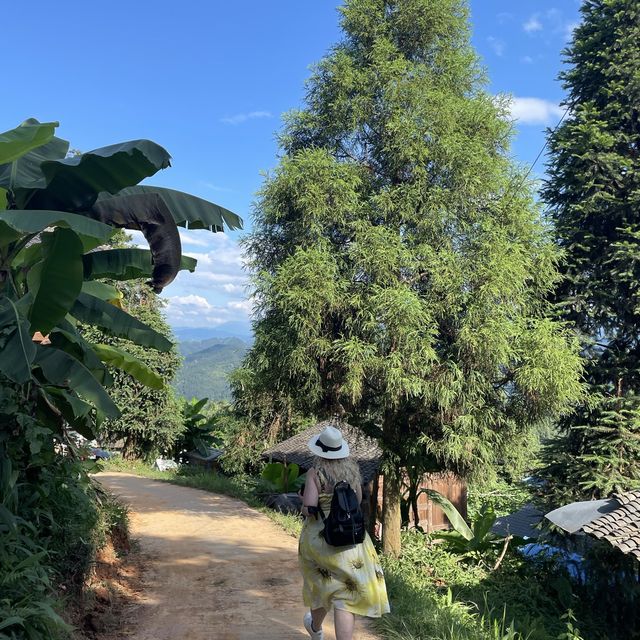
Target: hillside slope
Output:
[(206, 365)]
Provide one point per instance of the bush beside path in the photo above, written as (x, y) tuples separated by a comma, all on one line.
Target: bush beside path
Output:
[(215, 568)]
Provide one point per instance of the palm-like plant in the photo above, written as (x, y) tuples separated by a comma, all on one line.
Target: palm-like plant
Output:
[(200, 430), (56, 213), (462, 538)]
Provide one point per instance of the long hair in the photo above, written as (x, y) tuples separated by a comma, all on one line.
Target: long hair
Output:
[(340, 469)]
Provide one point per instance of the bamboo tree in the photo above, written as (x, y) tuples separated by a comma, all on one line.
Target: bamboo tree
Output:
[(400, 265)]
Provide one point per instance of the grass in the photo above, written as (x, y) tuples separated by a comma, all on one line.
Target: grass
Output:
[(240, 487), (437, 595)]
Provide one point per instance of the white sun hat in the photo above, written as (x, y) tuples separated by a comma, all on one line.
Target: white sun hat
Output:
[(329, 444)]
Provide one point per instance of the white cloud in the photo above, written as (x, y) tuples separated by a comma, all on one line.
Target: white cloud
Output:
[(190, 238), (221, 279), (196, 311), (239, 118), (240, 305), (229, 287), (527, 60), (533, 24), (552, 20), (497, 45), (535, 111), (190, 302), (217, 291)]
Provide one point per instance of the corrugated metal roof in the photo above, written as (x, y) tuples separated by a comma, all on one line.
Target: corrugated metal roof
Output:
[(522, 523), (363, 448), (621, 527)]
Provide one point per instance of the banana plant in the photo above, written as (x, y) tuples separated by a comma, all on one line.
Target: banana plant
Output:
[(200, 430), (462, 538), (57, 214), (282, 478)]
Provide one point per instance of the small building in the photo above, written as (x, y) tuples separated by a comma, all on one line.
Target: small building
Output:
[(208, 462), (367, 453), (615, 519), (620, 527)]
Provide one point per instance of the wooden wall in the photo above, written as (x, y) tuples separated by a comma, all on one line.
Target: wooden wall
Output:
[(431, 517)]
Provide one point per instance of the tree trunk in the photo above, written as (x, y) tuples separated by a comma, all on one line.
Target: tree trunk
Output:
[(391, 521), (391, 494)]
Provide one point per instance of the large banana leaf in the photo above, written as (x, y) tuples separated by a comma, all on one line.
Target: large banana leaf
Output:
[(29, 135), (186, 210), (7, 235), (62, 370), (67, 338), (36, 221), (75, 411), (483, 523), (18, 350), (149, 214), (125, 264), (130, 364), (456, 520), (117, 322), (23, 175), (56, 280), (104, 291), (74, 183)]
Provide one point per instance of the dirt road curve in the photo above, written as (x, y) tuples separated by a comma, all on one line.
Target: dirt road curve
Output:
[(216, 569)]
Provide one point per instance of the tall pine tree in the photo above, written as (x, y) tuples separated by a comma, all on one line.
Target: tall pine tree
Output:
[(401, 268), (594, 194)]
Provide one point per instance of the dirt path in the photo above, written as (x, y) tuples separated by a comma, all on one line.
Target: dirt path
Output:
[(215, 568)]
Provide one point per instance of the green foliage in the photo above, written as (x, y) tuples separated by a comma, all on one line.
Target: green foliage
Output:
[(45, 282), (52, 519), (400, 262), (593, 196), (572, 632), (261, 416), (475, 540), (282, 478), (199, 430), (206, 367), (150, 421), (31, 135), (435, 595), (501, 494)]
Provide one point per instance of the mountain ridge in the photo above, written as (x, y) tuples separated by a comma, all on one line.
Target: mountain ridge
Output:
[(206, 366)]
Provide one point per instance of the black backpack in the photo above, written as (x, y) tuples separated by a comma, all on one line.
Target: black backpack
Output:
[(344, 525)]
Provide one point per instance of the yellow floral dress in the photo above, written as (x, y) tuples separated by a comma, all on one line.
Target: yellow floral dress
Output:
[(348, 578)]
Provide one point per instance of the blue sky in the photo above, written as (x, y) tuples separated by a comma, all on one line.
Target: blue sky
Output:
[(209, 80)]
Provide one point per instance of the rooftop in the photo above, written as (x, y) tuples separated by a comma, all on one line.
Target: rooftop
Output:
[(621, 527), (363, 449), (522, 523)]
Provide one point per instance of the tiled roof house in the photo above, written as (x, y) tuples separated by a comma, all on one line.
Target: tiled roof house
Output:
[(620, 527)]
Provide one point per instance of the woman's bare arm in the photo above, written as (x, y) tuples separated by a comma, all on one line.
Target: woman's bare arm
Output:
[(310, 496)]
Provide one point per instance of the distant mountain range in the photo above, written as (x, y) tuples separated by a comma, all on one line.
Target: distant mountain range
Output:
[(240, 330), (207, 363)]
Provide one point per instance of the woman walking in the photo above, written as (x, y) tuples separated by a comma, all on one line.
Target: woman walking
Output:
[(349, 579)]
